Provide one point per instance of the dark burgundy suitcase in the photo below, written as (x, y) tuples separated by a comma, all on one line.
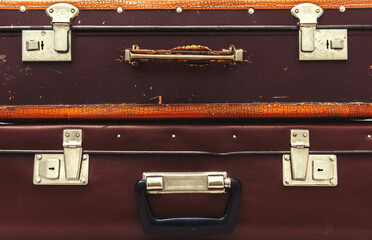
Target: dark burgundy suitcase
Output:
[(263, 200), (270, 71)]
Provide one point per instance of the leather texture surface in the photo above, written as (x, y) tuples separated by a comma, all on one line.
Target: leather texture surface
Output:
[(187, 111), (106, 208), (186, 4)]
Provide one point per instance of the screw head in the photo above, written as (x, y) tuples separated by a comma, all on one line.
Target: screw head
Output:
[(332, 158), (342, 9), (297, 10), (173, 135), (251, 11), (51, 10), (287, 181), (118, 136), (178, 9), (22, 9), (38, 180), (73, 10), (119, 10), (85, 157), (333, 181), (39, 156), (286, 157), (294, 134), (234, 136), (305, 135), (67, 134), (83, 180), (318, 10), (77, 134)]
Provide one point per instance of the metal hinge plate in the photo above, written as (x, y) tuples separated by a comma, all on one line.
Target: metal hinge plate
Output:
[(69, 168), (303, 169), (318, 44), (187, 182)]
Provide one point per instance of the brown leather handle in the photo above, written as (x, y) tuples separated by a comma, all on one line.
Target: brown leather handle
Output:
[(194, 54)]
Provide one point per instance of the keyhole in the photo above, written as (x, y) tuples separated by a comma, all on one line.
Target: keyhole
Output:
[(42, 45), (51, 168), (327, 44), (320, 170)]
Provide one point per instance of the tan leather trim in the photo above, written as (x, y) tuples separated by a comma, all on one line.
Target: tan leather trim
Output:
[(184, 4), (188, 111)]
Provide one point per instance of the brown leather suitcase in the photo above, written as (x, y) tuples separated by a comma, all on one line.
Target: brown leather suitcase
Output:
[(265, 65), (111, 199)]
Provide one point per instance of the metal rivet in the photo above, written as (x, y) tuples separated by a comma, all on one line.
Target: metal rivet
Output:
[(318, 10), (118, 136), (286, 157), (234, 136), (305, 135), (332, 158), (77, 134), (39, 156), (51, 10), (333, 181), (369, 136), (85, 157), (73, 10), (38, 180), (83, 180), (251, 11), (173, 135), (297, 11), (287, 181), (22, 8), (119, 10), (178, 9), (294, 134), (342, 9), (67, 134)]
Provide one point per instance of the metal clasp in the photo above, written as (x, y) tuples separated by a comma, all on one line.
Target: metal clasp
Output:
[(303, 169), (51, 45), (318, 44), (69, 168), (188, 182)]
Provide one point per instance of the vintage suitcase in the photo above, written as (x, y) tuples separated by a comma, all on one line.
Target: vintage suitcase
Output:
[(276, 52), (325, 196)]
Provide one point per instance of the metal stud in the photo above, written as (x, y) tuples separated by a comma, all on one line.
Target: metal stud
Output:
[(251, 11), (83, 180), (22, 9), (119, 10), (342, 9), (178, 9), (38, 180), (39, 156)]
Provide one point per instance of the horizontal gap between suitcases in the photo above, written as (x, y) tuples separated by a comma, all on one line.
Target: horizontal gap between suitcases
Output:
[(196, 28), (100, 152)]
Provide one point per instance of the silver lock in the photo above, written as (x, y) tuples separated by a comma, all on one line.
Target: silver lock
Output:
[(301, 168), (318, 44), (51, 45), (69, 168)]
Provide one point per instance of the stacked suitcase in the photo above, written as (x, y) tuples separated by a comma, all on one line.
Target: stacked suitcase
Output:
[(188, 119)]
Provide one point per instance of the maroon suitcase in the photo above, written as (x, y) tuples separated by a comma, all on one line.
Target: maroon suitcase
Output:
[(333, 202), (98, 73)]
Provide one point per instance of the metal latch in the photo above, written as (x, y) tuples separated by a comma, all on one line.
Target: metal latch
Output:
[(51, 45), (318, 44), (69, 168), (188, 182), (303, 169)]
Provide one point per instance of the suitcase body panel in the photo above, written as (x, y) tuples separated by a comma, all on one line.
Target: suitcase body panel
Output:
[(271, 73), (106, 207)]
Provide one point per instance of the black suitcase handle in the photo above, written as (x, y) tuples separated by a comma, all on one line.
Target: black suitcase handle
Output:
[(188, 226)]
